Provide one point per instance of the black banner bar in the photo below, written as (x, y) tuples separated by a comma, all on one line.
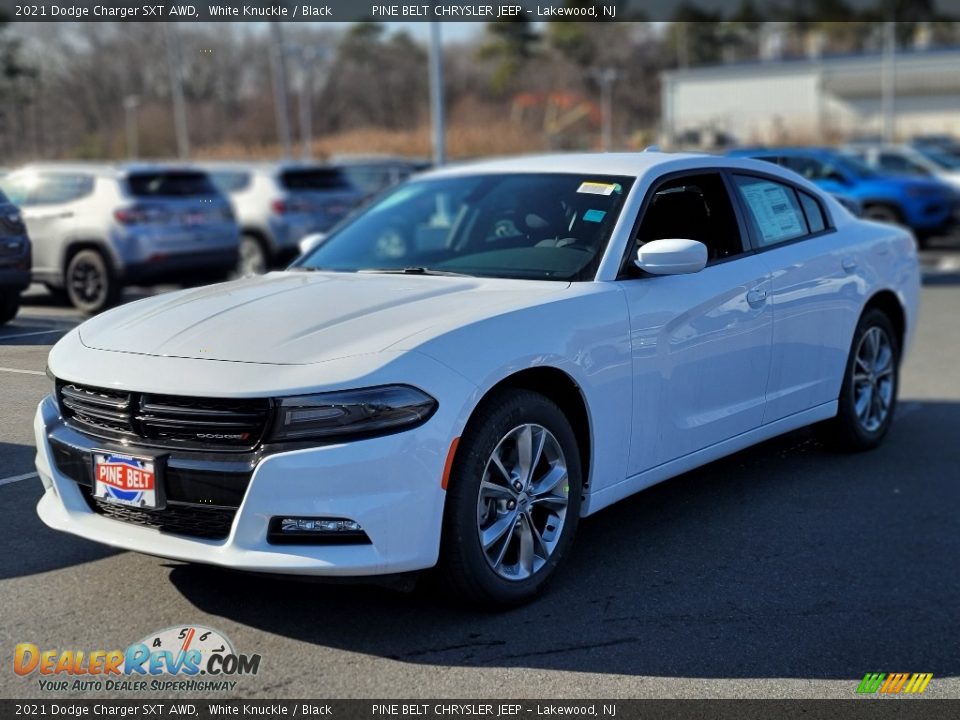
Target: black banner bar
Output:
[(882, 709), (475, 10)]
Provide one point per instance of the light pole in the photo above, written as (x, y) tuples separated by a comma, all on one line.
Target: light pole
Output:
[(606, 77), (888, 81), (278, 65), (176, 90), (307, 56), (436, 96), (130, 105)]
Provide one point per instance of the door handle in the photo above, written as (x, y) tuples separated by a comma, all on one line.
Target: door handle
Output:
[(757, 296), (848, 264)]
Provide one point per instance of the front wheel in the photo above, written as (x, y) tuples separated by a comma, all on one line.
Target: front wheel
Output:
[(9, 305), (513, 501), (868, 396)]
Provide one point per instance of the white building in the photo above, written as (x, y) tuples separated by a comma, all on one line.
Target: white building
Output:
[(815, 99)]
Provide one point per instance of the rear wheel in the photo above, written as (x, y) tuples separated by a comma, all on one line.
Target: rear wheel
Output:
[(9, 305), (868, 397), (90, 283), (883, 213), (513, 501), (253, 258)]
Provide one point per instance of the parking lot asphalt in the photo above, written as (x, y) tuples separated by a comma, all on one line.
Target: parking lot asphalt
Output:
[(785, 570)]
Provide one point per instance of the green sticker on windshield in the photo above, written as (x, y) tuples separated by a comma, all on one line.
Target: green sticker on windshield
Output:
[(594, 215)]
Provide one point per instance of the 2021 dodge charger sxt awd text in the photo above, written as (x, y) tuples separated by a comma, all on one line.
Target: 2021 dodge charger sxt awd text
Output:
[(482, 357)]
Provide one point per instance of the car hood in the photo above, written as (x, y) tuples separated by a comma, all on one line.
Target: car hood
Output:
[(291, 318)]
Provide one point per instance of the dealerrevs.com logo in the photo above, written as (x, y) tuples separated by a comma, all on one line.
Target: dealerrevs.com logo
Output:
[(180, 658), (894, 683)]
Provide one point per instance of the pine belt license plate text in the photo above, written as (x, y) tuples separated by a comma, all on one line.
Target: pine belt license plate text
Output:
[(125, 480)]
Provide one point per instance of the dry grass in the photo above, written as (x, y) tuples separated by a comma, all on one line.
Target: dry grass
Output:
[(501, 138)]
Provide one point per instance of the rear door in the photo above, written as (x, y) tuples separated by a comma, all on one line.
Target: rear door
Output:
[(700, 343), (814, 291)]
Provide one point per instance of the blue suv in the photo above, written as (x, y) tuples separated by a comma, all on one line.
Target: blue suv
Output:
[(928, 207)]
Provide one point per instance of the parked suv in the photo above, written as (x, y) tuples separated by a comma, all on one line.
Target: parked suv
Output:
[(926, 205), (98, 227), (14, 259), (925, 161), (277, 204)]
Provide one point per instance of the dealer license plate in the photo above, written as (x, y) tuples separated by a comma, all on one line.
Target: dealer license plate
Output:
[(126, 480)]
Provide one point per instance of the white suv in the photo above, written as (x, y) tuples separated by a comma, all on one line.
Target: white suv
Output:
[(98, 227)]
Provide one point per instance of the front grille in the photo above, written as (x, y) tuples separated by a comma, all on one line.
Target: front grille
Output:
[(165, 420), (210, 523)]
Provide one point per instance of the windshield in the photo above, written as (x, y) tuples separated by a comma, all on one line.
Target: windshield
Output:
[(940, 157), (531, 226), (314, 179), (169, 184)]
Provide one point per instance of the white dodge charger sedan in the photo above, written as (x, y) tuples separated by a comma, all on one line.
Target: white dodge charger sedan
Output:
[(455, 376)]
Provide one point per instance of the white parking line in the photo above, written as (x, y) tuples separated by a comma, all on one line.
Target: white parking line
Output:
[(38, 332), (17, 478), (24, 372)]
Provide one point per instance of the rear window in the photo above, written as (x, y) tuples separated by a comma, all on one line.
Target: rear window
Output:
[(230, 182), (315, 179), (170, 184)]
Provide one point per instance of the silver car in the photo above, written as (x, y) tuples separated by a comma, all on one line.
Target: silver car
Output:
[(277, 204), (98, 227)]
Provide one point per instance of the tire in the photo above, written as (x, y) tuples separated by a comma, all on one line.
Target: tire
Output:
[(59, 294), (90, 282), (252, 257), (883, 213), (515, 567), (9, 305), (868, 397)]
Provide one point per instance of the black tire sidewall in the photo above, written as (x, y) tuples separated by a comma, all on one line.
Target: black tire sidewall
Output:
[(9, 305), (109, 291), (856, 436), (462, 558)]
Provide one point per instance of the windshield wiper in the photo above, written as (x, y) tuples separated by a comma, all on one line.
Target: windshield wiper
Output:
[(413, 271)]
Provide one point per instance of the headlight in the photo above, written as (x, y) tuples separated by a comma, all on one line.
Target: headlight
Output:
[(351, 412)]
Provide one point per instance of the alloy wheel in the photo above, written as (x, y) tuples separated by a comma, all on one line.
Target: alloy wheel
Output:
[(873, 379), (522, 503)]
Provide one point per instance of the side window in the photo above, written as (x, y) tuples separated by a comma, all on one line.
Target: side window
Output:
[(694, 207), (774, 209), (17, 187), (900, 165), (813, 212), (55, 188)]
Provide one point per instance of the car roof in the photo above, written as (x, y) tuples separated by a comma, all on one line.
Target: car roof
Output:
[(264, 166), (105, 169), (627, 164)]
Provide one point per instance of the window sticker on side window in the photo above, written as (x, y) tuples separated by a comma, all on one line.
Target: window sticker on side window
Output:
[(775, 210)]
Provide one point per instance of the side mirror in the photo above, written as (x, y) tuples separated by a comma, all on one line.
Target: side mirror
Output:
[(671, 257)]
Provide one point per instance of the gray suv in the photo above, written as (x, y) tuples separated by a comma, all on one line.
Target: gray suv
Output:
[(98, 227), (14, 259), (277, 204)]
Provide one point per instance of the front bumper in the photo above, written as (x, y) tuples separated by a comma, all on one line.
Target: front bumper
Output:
[(15, 278), (390, 485)]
